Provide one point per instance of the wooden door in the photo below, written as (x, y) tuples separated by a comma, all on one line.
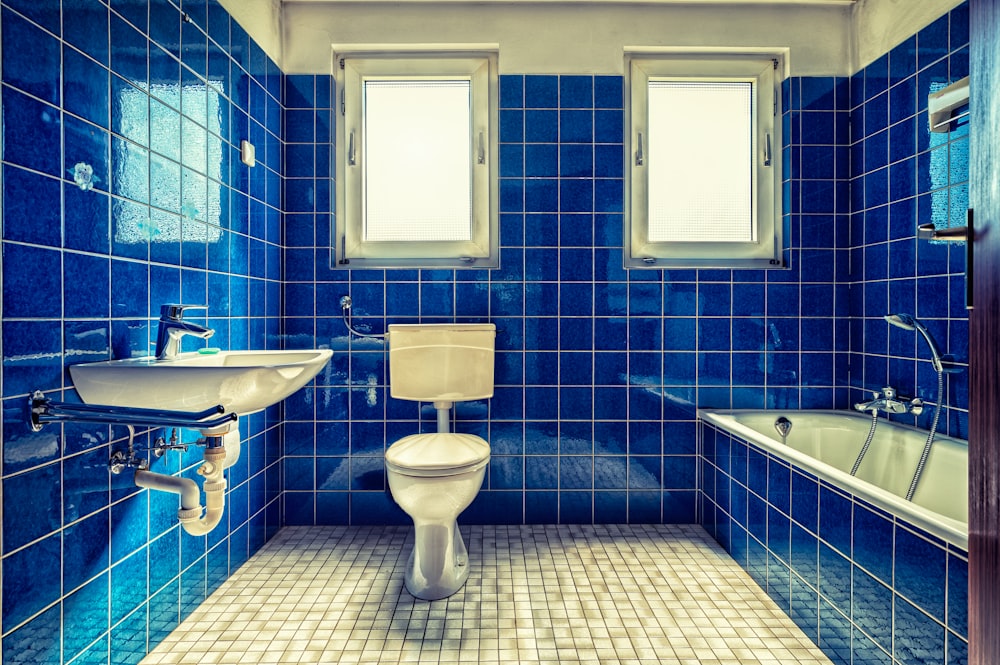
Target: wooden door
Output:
[(984, 336)]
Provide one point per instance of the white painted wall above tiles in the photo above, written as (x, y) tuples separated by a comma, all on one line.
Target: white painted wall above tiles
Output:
[(823, 37), (579, 38)]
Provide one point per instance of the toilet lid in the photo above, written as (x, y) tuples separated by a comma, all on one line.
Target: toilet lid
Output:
[(437, 451)]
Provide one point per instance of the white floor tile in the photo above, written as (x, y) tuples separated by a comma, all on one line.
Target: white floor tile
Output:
[(536, 594)]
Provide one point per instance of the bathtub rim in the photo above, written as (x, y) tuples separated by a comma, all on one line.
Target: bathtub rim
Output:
[(950, 530)]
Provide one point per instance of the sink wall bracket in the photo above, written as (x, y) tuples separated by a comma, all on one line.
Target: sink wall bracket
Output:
[(42, 411)]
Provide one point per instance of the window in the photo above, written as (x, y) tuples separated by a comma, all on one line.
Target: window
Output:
[(417, 161), (703, 181)]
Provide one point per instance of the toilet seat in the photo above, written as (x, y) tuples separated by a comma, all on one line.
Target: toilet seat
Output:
[(437, 454)]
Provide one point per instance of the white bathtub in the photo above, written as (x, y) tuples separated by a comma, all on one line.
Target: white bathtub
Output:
[(826, 444)]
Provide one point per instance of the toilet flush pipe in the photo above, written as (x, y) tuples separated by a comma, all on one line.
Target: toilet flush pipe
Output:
[(217, 460), (443, 416)]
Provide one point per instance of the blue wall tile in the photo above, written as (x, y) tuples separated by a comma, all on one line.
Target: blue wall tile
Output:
[(920, 568), (541, 92), (560, 295), (62, 307), (958, 595), (541, 126), (511, 93), (31, 56), (35, 143), (31, 581), (45, 13), (576, 92)]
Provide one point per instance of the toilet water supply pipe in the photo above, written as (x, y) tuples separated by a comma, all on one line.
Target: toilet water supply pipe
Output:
[(217, 460)]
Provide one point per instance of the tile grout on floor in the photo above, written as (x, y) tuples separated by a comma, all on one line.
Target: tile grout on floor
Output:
[(607, 594)]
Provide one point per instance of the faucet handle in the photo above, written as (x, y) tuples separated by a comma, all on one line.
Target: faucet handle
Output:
[(889, 392), (175, 311)]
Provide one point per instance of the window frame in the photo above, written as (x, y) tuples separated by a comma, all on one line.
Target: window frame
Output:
[(349, 245), (763, 71)]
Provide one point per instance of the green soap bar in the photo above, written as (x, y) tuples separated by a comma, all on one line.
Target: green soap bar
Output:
[(210, 350)]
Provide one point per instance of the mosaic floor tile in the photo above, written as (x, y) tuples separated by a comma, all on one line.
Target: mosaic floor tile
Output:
[(607, 594)]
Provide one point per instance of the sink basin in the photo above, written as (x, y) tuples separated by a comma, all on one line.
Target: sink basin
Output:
[(241, 381)]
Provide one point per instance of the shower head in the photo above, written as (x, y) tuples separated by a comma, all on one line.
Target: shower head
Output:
[(904, 321), (908, 322)]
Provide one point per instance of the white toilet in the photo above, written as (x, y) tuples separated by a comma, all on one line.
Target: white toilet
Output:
[(434, 477)]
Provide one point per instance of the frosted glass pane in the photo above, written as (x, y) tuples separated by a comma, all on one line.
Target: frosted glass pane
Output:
[(416, 154), (700, 162)]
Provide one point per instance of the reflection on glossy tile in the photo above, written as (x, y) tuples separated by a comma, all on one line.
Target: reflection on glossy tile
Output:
[(31, 582)]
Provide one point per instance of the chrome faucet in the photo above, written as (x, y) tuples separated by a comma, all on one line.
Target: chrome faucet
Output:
[(173, 327), (891, 402)]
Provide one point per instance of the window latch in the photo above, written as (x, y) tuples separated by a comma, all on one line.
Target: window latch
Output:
[(639, 158), (481, 155), (351, 156), (767, 149)]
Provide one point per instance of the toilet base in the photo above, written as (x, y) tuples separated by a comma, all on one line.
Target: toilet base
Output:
[(439, 563)]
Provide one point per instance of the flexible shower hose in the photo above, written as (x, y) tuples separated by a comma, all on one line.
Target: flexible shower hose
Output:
[(868, 442), (930, 439)]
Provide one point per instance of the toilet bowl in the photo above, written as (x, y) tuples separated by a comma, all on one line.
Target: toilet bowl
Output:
[(433, 478)]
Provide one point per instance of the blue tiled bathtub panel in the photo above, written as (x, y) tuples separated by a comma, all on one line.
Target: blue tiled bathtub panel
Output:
[(861, 583)]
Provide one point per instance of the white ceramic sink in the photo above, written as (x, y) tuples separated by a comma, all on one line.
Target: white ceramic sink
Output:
[(241, 381)]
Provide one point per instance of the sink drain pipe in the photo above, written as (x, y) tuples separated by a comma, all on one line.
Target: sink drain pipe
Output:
[(194, 518)]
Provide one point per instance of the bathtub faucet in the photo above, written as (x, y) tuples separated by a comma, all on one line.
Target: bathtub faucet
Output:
[(890, 401)]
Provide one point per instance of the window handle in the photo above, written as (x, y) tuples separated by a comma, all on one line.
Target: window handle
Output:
[(351, 156), (639, 158), (481, 156), (767, 149)]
